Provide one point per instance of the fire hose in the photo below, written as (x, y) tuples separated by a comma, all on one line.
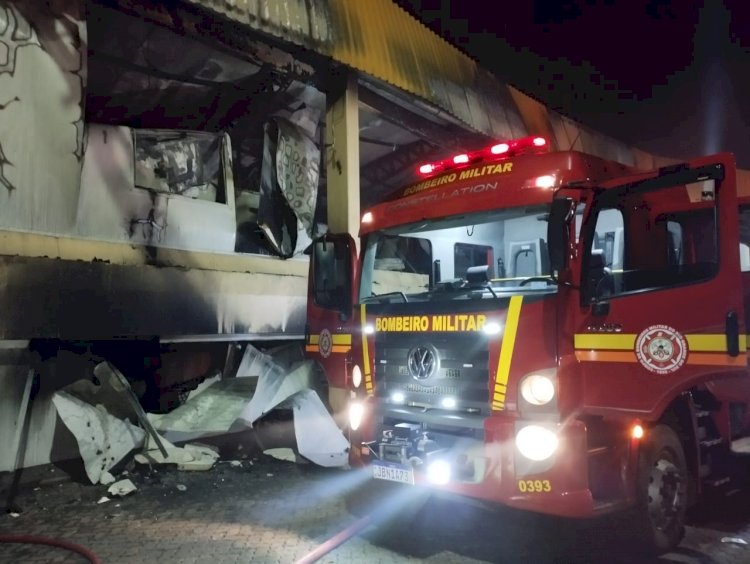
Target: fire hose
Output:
[(57, 543), (338, 539)]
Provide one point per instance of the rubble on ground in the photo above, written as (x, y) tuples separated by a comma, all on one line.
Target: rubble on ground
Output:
[(272, 405), (188, 457), (103, 440), (122, 488)]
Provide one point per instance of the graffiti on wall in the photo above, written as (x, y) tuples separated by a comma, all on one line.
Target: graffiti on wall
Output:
[(15, 33), (42, 82)]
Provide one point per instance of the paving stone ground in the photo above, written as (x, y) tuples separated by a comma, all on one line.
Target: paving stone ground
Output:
[(274, 511)]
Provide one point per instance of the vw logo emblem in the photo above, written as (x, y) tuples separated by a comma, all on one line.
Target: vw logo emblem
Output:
[(422, 362)]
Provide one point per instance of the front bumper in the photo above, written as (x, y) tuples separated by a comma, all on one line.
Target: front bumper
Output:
[(499, 473)]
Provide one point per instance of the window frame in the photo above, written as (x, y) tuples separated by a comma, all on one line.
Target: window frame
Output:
[(607, 199)]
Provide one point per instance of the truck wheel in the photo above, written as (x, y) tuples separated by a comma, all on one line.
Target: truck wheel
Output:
[(662, 490)]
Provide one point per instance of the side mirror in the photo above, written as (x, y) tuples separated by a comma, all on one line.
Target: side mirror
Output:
[(332, 273), (557, 232)]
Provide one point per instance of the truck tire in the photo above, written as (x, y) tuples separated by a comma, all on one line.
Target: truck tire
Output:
[(661, 491)]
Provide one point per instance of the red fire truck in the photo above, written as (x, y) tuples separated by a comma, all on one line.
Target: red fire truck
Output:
[(546, 330)]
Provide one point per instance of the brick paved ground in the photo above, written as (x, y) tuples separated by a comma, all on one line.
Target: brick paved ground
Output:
[(275, 512)]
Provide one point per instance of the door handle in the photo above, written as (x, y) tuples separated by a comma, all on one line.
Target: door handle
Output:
[(733, 334)]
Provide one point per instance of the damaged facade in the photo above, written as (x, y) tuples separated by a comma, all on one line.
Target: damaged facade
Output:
[(164, 166), (157, 191)]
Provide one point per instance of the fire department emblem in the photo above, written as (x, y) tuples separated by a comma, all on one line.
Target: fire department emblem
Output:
[(661, 349), (325, 343)]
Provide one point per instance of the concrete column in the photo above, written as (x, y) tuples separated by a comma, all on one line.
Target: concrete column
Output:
[(342, 159), (342, 171)]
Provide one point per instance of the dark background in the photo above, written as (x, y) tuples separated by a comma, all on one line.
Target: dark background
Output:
[(670, 77)]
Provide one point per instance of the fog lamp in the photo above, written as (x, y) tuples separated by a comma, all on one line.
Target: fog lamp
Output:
[(536, 442), (356, 412), (439, 472)]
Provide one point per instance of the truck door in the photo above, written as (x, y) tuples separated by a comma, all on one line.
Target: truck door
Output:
[(661, 292), (331, 293)]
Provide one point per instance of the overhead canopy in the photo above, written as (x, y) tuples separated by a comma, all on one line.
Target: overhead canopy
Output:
[(396, 54)]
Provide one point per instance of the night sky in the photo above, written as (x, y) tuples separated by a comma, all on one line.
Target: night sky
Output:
[(671, 77)]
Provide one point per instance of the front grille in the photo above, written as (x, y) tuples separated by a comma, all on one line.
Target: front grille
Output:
[(463, 372)]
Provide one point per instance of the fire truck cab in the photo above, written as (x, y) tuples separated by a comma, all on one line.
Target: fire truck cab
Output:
[(546, 330)]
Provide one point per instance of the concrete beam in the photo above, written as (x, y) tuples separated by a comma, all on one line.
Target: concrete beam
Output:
[(342, 159)]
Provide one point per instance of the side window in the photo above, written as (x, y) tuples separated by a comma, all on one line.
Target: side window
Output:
[(654, 239), (745, 238), (466, 255), (579, 220), (330, 272), (609, 237), (183, 163), (674, 243)]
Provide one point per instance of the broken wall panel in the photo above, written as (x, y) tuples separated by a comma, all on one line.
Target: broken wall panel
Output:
[(103, 440)]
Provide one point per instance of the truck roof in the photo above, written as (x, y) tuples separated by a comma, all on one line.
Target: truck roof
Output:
[(511, 182)]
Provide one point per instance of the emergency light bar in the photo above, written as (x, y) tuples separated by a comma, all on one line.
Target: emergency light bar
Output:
[(503, 149)]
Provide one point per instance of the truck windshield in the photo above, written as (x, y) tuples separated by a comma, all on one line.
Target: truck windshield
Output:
[(471, 256)]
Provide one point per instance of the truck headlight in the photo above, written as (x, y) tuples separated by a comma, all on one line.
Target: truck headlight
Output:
[(356, 376), (356, 412), (536, 442), (538, 388)]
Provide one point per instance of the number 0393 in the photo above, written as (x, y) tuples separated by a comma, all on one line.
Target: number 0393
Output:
[(534, 486)]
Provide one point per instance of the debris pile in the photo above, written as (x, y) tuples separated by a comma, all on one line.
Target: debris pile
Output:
[(272, 404)]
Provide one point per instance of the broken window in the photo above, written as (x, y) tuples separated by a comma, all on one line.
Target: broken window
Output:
[(185, 163)]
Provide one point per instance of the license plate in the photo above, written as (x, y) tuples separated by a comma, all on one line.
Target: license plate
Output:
[(392, 473)]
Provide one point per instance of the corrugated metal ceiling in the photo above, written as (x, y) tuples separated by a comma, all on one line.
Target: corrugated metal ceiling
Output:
[(382, 40)]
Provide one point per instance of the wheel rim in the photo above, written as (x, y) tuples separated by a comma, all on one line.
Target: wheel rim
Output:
[(666, 494)]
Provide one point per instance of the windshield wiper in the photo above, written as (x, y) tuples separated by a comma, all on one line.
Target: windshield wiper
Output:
[(538, 279), (459, 286)]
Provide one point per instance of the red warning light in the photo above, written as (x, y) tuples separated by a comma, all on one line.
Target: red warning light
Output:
[(500, 149), (504, 149)]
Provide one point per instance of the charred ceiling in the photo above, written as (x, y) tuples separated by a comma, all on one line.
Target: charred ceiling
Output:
[(173, 66)]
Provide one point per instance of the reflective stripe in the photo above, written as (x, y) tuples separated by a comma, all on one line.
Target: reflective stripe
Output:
[(606, 356), (698, 342), (711, 343), (506, 352), (365, 351), (713, 359), (342, 339), (618, 341), (337, 339)]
